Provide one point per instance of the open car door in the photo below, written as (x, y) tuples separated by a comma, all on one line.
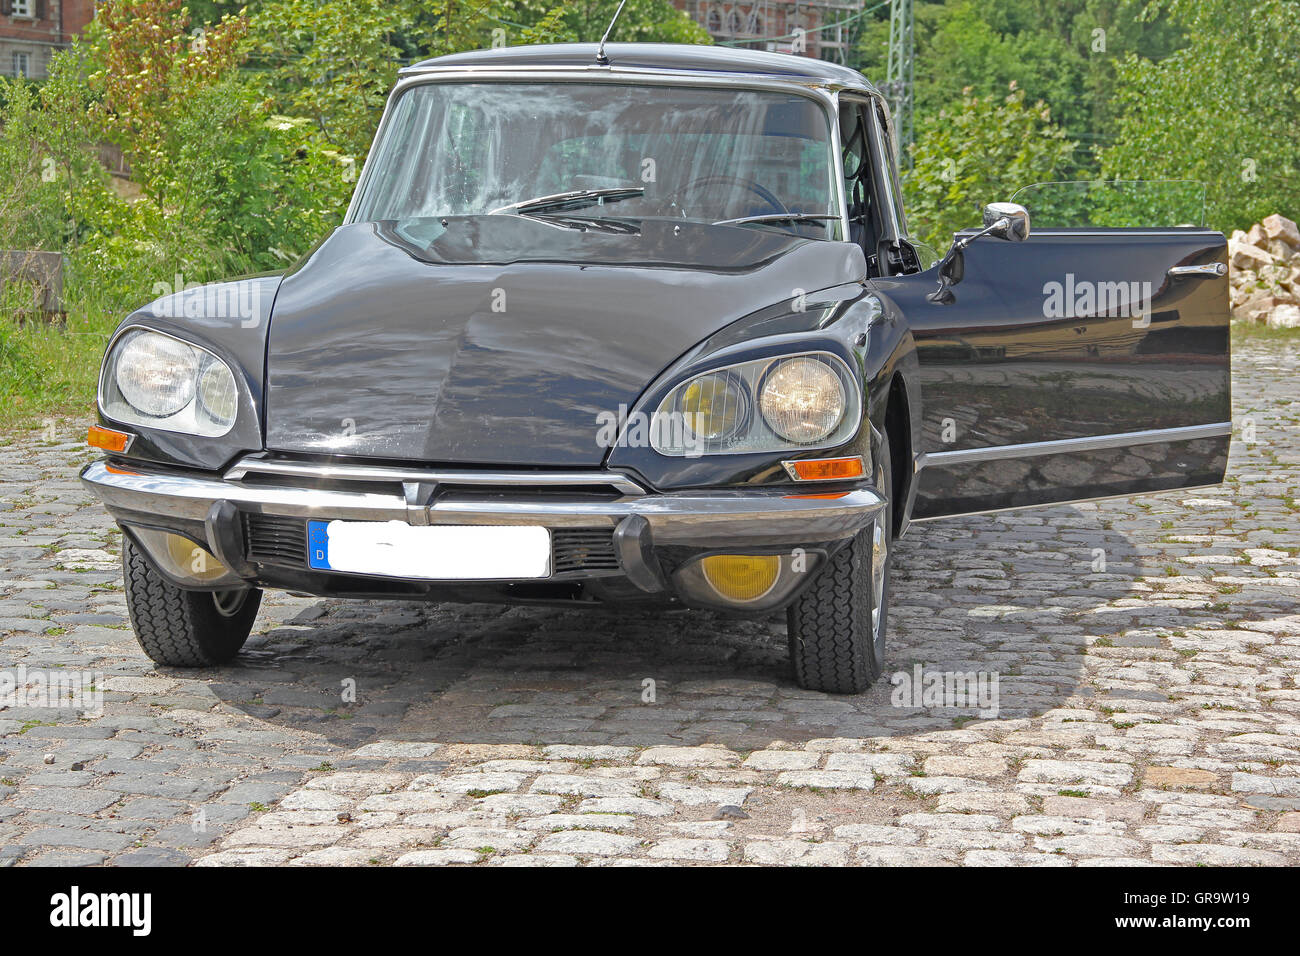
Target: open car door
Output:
[(1083, 362)]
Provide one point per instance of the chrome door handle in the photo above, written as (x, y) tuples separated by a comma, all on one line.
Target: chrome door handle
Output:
[(1212, 270)]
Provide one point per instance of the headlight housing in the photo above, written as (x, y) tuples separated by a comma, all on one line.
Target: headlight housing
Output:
[(773, 404), (159, 381)]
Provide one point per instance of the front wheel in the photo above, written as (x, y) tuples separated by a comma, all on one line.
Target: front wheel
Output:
[(182, 628), (837, 626)]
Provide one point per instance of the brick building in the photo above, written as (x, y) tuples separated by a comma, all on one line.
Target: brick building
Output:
[(31, 30), (777, 24)]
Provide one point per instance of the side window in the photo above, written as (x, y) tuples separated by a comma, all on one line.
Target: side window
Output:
[(856, 152), (891, 168), (896, 252)]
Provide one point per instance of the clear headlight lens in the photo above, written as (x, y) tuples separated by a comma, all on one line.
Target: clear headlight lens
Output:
[(217, 395), (802, 399), (156, 374), (770, 404), (163, 382)]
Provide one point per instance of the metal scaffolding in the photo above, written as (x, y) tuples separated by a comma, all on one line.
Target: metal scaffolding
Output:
[(900, 77)]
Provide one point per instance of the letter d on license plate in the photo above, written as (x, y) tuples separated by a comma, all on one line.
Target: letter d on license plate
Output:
[(434, 552)]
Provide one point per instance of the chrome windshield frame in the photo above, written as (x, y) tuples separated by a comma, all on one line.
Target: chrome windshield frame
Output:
[(823, 94)]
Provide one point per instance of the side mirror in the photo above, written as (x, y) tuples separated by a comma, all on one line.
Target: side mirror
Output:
[(1003, 220), (1007, 220)]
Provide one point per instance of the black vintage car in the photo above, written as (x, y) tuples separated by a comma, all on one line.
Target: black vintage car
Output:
[(648, 327)]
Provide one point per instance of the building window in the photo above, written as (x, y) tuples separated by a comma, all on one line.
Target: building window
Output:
[(22, 8), (23, 65)]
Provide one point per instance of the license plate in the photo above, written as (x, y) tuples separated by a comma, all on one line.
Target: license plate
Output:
[(433, 552)]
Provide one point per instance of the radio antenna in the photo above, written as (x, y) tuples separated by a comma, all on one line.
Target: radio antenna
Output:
[(601, 57)]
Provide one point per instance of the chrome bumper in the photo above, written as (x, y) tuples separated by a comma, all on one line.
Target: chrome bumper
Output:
[(211, 509), (757, 517)]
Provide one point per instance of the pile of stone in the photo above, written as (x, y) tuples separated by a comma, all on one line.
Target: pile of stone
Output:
[(1264, 273)]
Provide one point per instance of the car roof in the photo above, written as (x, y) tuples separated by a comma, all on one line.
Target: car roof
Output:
[(656, 57)]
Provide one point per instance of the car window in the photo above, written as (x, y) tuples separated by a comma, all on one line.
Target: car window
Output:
[(891, 168), (688, 152), (855, 157)]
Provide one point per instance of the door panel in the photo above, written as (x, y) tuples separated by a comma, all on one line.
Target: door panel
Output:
[(1073, 365)]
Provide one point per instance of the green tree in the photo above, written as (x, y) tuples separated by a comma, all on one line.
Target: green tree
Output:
[(1222, 109), (981, 152), (146, 69), (585, 21), (33, 212), (332, 62), (1063, 52)]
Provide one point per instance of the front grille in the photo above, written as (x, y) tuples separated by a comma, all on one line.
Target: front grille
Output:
[(582, 549), (273, 539)]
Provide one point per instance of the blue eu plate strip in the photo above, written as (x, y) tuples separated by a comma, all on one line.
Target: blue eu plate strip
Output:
[(318, 544)]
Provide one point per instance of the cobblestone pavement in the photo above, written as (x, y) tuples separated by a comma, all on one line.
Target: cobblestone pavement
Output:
[(1149, 712)]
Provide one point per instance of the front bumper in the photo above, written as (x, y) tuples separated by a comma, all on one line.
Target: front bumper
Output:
[(646, 535)]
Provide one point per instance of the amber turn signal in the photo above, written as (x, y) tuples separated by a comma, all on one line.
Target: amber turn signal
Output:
[(107, 439), (826, 469)]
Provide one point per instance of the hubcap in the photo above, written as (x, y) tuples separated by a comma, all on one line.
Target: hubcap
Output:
[(228, 603)]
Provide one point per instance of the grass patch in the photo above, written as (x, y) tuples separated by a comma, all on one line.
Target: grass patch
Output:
[(49, 372), (1258, 332)]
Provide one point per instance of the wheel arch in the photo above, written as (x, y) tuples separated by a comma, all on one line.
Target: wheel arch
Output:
[(898, 429)]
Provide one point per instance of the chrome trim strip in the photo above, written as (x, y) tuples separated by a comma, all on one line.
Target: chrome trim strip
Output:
[(1070, 445), (1118, 232), (1057, 504), (510, 479)]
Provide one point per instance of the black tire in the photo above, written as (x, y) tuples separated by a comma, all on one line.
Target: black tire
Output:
[(182, 628), (833, 645)]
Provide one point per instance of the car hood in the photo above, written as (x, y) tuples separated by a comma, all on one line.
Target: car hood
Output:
[(500, 340)]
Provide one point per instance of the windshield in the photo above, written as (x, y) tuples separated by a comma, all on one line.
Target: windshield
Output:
[(573, 150)]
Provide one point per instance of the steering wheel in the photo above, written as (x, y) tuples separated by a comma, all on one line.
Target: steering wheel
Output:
[(723, 179)]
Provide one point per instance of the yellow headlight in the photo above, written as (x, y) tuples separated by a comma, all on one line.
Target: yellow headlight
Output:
[(714, 406), (741, 577)]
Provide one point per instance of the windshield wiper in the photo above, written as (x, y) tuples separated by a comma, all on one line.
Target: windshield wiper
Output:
[(575, 197), (605, 224), (776, 217)]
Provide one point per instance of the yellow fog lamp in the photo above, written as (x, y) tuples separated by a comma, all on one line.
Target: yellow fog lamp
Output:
[(741, 577), (183, 561), (193, 561)]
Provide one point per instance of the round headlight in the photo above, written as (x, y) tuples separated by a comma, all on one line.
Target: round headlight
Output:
[(802, 399), (714, 407), (217, 395), (156, 373)]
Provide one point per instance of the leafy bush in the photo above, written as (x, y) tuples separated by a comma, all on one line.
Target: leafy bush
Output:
[(33, 200), (1221, 110), (981, 152)]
